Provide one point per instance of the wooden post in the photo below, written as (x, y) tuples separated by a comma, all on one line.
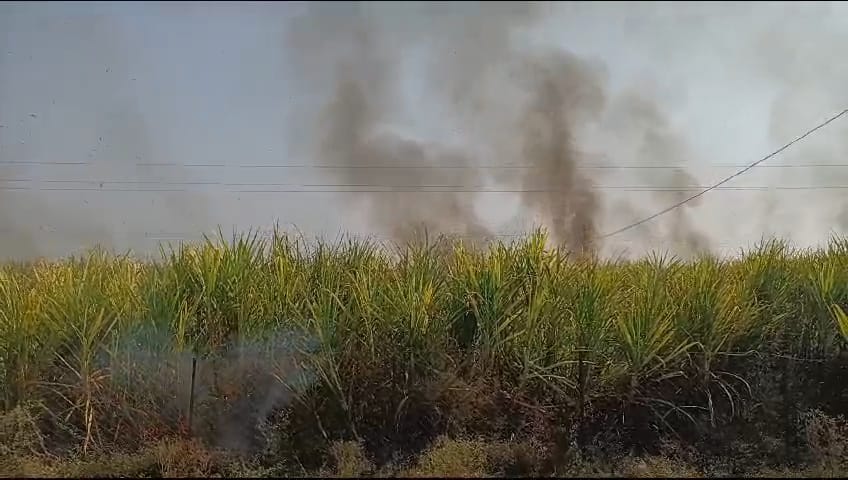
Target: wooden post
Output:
[(191, 393)]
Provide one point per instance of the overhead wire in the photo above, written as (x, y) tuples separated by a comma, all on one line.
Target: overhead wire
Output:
[(420, 167), (127, 186), (727, 179), (453, 189)]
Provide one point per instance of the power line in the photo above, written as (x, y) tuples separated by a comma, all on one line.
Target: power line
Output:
[(195, 236), (427, 167), (363, 188), (477, 167), (740, 172), (36, 162)]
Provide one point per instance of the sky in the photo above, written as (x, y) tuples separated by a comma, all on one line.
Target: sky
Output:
[(131, 123)]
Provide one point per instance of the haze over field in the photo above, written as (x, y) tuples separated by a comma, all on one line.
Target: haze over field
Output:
[(171, 119)]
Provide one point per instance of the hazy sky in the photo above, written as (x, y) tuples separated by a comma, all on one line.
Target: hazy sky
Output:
[(115, 87)]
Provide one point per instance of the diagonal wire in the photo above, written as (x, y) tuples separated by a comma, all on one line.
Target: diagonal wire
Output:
[(740, 172)]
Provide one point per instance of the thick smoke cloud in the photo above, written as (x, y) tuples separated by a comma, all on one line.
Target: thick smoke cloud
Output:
[(531, 102), (348, 134), (442, 98), (562, 87)]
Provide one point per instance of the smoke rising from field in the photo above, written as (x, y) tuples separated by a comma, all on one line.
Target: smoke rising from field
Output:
[(530, 102), (644, 136), (236, 390), (366, 83), (363, 94), (558, 88), (562, 86)]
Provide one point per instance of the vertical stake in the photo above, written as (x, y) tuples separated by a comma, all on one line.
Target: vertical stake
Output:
[(191, 393)]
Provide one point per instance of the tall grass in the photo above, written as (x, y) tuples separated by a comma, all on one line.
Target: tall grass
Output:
[(657, 341)]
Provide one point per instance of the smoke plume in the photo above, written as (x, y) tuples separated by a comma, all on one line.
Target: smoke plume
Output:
[(236, 390), (366, 80), (529, 103), (470, 118)]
